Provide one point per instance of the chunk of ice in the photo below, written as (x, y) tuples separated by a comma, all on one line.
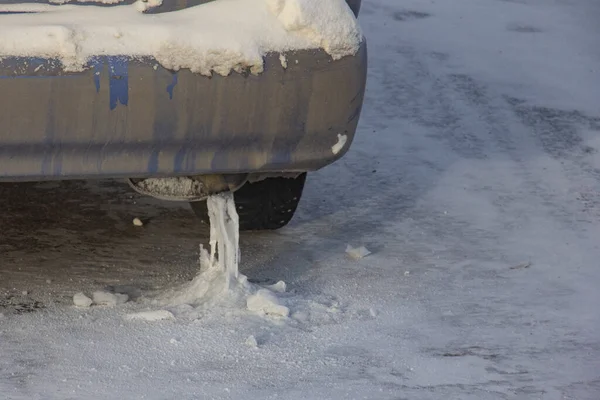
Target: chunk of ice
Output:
[(81, 300), (251, 341), (109, 299), (357, 252), (265, 302), (279, 287)]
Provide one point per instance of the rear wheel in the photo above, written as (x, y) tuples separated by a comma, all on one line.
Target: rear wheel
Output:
[(269, 204)]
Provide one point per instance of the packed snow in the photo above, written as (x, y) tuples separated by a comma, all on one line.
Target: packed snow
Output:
[(265, 302), (357, 252), (473, 181), (219, 36), (138, 222), (251, 341), (103, 298), (339, 145), (154, 315), (81, 300), (144, 5)]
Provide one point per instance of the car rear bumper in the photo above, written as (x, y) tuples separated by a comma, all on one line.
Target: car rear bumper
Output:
[(132, 118)]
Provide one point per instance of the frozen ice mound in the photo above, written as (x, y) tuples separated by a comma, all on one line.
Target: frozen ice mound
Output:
[(219, 283)]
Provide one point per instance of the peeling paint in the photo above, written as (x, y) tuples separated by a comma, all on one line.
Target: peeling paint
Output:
[(119, 81), (97, 73), (172, 85)]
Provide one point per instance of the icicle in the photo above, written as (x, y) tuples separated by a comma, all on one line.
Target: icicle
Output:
[(224, 235)]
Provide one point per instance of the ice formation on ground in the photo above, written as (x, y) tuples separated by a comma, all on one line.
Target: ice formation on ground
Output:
[(220, 285), (219, 282)]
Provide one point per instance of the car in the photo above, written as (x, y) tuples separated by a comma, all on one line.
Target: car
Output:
[(177, 132)]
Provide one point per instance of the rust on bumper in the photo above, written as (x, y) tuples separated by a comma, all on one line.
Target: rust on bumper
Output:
[(132, 118)]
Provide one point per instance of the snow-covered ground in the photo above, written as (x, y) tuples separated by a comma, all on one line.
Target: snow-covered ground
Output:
[(474, 181)]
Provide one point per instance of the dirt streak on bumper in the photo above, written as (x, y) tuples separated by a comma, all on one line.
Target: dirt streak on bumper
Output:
[(132, 118)]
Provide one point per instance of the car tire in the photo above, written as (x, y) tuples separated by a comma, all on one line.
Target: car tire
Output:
[(265, 205)]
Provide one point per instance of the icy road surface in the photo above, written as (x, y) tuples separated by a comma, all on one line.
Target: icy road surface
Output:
[(474, 182)]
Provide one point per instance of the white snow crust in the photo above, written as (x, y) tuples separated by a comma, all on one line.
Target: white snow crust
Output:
[(219, 36)]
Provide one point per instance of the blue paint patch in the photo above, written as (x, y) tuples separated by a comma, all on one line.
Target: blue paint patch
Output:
[(97, 72), (153, 162), (119, 81), (172, 85)]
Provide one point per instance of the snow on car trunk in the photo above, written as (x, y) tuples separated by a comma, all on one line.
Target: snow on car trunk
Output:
[(218, 36)]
